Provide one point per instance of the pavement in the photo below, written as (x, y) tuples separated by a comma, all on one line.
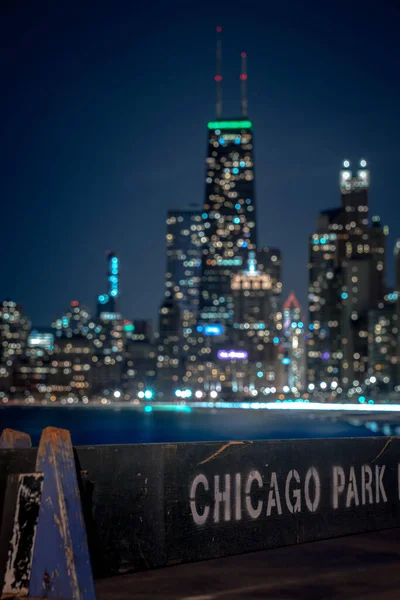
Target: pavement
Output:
[(364, 566)]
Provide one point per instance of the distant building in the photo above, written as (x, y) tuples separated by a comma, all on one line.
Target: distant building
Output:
[(229, 215), (346, 280), (184, 241), (140, 367), (294, 359), (14, 331), (169, 354), (108, 302), (255, 330), (383, 335)]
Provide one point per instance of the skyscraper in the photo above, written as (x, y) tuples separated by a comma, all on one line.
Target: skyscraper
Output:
[(294, 360), (229, 209), (346, 280), (184, 240), (108, 302), (14, 331)]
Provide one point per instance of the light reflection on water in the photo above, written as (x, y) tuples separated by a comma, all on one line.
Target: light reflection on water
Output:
[(130, 425)]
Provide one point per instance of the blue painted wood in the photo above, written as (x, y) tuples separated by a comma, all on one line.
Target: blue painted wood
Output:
[(61, 565), (14, 439)]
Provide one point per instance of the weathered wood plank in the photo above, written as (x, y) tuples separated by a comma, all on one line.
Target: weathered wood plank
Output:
[(61, 565), (14, 439), (18, 532)]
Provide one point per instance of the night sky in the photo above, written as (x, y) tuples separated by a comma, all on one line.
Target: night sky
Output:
[(103, 112)]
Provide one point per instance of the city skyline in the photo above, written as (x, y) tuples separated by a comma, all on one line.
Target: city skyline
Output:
[(301, 139)]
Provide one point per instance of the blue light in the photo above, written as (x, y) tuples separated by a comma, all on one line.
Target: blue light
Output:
[(300, 324), (371, 402), (236, 220), (361, 399), (237, 140), (244, 245), (221, 140), (213, 329), (242, 163), (311, 327), (248, 201), (148, 394), (344, 295), (113, 279), (199, 328), (323, 241), (204, 215), (148, 409), (103, 299), (235, 170), (260, 374), (238, 206), (286, 361), (276, 341), (316, 241), (294, 324), (114, 292)]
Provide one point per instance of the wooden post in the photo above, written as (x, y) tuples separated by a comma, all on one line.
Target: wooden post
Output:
[(61, 564), (14, 439)]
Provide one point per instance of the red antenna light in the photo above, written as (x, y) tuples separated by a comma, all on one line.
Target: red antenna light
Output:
[(74, 303), (243, 79), (218, 76)]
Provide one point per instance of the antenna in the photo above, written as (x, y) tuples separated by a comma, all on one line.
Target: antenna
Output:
[(218, 76), (243, 84)]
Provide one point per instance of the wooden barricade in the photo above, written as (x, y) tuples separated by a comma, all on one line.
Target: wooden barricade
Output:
[(151, 505)]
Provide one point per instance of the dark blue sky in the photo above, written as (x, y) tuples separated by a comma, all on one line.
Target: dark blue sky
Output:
[(103, 126)]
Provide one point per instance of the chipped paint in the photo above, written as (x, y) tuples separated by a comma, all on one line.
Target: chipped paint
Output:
[(21, 546)]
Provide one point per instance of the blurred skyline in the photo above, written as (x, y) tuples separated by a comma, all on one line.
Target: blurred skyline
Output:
[(104, 112)]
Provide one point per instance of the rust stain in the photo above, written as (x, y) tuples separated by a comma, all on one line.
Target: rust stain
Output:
[(383, 449), (220, 450)]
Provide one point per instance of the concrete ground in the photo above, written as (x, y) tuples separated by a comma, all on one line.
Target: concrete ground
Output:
[(365, 566)]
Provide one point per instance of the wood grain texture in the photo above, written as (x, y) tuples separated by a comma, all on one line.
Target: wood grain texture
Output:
[(14, 439), (61, 565)]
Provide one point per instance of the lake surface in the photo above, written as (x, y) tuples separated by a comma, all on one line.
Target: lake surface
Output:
[(129, 425)]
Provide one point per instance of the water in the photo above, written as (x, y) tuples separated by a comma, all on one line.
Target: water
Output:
[(129, 425)]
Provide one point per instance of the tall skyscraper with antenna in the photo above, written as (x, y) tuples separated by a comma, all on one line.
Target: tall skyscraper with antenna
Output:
[(229, 209)]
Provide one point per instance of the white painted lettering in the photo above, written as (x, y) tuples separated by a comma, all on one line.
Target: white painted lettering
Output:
[(198, 518), (224, 497), (254, 513), (296, 507), (352, 491), (274, 498), (238, 497), (366, 486), (312, 506), (338, 484), (379, 488)]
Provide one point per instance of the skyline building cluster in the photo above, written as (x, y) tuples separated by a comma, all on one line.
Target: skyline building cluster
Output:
[(224, 329)]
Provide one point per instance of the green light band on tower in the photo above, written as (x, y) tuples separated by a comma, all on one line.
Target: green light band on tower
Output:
[(229, 125)]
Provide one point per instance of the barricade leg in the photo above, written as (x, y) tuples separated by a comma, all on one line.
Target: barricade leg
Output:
[(14, 439), (56, 562)]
